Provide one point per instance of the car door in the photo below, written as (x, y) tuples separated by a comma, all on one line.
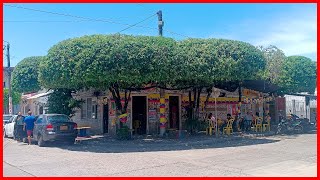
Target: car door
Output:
[(9, 128), (38, 126)]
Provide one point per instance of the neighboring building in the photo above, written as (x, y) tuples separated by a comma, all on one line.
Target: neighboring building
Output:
[(35, 102), (303, 105), (296, 105)]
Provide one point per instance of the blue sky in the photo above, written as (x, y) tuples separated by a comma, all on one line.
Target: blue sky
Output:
[(290, 27)]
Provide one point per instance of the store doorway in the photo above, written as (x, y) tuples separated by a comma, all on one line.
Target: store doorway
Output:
[(139, 114), (174, 114), (105, 118)]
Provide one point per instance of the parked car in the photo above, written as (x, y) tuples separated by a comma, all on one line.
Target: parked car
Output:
[(6, 118), (54, 127), (14, 127)]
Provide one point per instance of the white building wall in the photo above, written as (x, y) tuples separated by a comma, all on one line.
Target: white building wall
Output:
[(297, 105)]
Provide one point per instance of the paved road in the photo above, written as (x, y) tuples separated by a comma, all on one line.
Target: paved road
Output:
[(265, 156)]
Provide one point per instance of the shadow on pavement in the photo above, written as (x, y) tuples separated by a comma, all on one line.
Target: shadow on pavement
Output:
[(293, 136), (108, 145)]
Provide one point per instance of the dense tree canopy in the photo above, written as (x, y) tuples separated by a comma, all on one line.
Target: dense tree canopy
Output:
[(114, 62), (298, 74), (61, 101), (100, 61), (205, 61), (25, 75), (274, 62), (16, 97)]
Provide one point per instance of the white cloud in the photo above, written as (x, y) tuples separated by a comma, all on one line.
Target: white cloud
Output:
[(295, 34), (292, 36)]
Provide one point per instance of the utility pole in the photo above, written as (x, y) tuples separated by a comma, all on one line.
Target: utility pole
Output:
[(160, 22), (9, 78), (163, 120)]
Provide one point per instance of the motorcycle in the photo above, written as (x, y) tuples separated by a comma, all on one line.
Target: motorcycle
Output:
[(293, 126), (305, 123)]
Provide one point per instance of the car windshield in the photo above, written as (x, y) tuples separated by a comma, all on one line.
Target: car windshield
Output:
[(59, 118), (6, 118)]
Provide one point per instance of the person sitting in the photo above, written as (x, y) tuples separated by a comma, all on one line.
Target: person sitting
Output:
[(211, 118), (267, 119), (225, 122)]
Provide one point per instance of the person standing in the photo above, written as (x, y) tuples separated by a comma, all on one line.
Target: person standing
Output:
[(29, 125), (248, 121), (18, 127)]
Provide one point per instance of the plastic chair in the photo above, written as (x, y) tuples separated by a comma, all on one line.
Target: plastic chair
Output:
[(265, 126), (136, 125), (228, 129), (258, 124), (210, 128)]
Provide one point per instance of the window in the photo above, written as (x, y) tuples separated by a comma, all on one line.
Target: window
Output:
[(39, 120), (89, 108), (94, 109), (58, 118), (84, 110)]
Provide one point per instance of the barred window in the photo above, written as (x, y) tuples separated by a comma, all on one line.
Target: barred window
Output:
[(84, 110), (89, 108)]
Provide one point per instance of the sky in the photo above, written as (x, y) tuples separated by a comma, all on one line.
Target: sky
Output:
[(31, 29)]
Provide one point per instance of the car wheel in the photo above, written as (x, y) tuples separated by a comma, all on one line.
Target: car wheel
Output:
[(5, 134), (14, 136), (41, 143)]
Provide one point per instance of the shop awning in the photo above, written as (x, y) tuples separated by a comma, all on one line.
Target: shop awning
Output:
[(40, 95), (260, 85), (256, 85)]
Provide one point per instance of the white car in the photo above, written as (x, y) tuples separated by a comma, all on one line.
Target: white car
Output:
[(9, 128), (6, 118)]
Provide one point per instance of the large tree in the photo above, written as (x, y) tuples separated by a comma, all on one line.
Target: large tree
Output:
[(298, 74), (211, 62), (25, 75), (16, 97), (274, 62), (119, 63), (61, 101)]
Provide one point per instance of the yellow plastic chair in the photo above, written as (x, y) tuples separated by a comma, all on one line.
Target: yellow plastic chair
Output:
[(210, 128), (258, 124), (228, 129), (136, 125), (267, 126)]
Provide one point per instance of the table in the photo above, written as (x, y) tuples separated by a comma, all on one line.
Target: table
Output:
[(83, 131)]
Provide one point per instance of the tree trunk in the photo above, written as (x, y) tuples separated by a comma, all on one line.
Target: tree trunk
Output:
[(209, 92), (114, 89)]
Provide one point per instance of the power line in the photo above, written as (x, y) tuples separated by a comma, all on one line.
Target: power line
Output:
[(92, 19), (137, 23), (42, 21), (67, 15)]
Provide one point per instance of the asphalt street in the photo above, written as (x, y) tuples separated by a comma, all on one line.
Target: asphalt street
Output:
[(293, 155)]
